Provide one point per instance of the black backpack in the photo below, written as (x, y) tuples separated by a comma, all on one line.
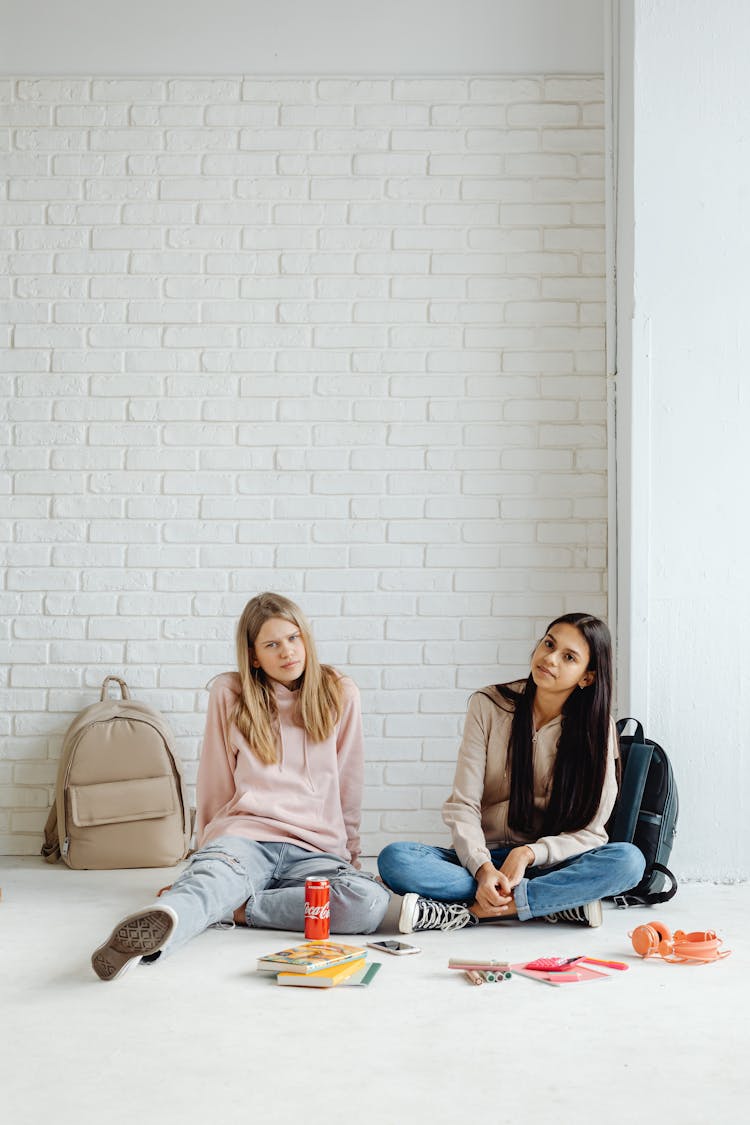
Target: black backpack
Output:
[(645, 814)]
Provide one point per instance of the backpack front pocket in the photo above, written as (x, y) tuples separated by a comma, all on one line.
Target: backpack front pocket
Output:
[(117, 802)]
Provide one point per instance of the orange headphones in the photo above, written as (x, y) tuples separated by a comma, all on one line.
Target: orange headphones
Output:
[(655, 939)]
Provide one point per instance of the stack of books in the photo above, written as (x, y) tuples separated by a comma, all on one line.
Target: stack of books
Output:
[(319, 964)]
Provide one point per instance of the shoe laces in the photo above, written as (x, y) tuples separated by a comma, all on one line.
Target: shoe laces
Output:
[(441, 915), (573, 914)]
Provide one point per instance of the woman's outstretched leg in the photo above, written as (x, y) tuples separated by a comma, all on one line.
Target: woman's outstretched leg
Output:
[(217, 878)]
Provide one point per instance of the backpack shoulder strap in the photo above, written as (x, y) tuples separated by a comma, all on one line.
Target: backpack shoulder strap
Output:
[(631, 792), (650, 898), (51, 846)]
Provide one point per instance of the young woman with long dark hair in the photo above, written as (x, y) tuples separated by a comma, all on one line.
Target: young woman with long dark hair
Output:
[(535, 783)]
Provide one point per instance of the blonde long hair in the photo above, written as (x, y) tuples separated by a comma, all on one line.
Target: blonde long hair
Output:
[(319, 704)]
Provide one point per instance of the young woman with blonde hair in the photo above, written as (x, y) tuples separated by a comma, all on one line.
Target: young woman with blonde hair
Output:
[(278, 799)]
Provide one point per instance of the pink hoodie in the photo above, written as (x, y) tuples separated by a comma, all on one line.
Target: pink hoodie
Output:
[(311, 797)]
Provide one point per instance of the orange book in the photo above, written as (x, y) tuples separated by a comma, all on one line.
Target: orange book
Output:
[(323, 978)]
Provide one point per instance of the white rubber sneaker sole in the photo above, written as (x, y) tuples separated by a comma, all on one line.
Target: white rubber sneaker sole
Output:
[(590, 914), (593, 912), (147, 931), (408, 910)]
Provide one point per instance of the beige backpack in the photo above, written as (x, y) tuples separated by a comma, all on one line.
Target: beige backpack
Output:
[(120, 798)]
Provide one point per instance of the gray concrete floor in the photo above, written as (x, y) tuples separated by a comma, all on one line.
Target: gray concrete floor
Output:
[(202, 1037)]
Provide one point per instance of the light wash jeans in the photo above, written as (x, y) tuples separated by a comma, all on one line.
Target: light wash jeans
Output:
[(270, 877), (437, 873)]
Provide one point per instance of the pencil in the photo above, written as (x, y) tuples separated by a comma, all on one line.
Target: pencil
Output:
[(473, 976), (490, 965)]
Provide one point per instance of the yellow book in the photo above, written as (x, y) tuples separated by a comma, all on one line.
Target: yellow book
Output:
[(323, 978)]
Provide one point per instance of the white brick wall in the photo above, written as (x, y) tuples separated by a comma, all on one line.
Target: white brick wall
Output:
[(341, 339)]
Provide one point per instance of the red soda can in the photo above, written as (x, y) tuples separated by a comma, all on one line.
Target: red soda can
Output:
[(317, 909)]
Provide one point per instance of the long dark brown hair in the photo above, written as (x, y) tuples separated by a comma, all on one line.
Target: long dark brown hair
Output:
[(581, 760)]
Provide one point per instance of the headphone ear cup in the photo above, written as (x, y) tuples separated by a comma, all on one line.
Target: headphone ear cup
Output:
[(664, 932), (645, 940), (666, 945), (652, 938)]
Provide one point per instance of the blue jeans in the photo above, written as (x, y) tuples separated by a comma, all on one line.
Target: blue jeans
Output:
[(270, 877), (437, 873)]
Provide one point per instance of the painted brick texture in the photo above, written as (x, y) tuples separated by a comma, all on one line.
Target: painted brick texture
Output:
[(342, 339)]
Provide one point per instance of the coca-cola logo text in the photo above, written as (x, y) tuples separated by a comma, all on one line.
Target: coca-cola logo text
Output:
[(322, 911)]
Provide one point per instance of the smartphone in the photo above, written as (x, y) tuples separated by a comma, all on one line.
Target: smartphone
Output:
[(399, 948)]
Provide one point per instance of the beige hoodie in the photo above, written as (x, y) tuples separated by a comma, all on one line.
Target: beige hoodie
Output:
[(477, 810), (311, 797)]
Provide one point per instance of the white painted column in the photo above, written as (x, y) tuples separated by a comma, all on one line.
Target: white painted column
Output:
[(682, 393)]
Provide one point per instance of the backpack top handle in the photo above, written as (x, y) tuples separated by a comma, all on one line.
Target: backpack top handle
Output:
[(124, 691), (621, 724)]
